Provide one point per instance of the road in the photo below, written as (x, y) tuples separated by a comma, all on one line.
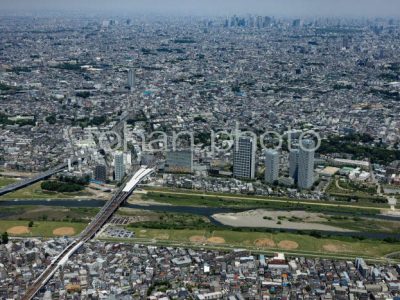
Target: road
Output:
[(26, 182), (94, 226), (227, 247)]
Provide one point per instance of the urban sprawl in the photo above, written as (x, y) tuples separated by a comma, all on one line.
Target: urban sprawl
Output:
[(301, 204)]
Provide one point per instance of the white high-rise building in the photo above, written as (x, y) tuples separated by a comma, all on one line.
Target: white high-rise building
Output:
[(131, 79), (271, 166), (294, 164), (306, 165), (244, 158), (119, 166), (128, 159)]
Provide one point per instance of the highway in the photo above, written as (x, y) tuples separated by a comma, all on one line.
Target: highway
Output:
[(26, 182), (90, 231)]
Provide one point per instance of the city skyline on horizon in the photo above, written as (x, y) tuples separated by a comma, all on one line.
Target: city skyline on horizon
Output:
[(285, 8)]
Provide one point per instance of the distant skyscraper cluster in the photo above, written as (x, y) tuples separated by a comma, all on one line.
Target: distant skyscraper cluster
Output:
[(251, 21)]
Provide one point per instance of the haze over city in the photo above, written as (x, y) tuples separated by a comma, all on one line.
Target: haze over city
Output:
[(309, 8)]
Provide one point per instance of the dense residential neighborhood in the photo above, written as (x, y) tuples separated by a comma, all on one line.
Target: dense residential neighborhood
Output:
[(203, 155), (132, 271)]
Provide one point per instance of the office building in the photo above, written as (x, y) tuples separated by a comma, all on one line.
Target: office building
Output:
[(294, 164), (271, 166), (180, 161), (244, 158), (119, 166), (306, 165), (131, 79), (100, 173), (362, 267)]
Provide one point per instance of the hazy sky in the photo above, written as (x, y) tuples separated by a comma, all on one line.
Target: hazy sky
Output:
[(366, 8)]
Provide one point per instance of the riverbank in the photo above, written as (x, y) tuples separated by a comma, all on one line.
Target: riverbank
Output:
[(261, 241), (367, 226), (198, 199), (299, 220)]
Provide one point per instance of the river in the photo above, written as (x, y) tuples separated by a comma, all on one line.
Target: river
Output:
[(202, 211)]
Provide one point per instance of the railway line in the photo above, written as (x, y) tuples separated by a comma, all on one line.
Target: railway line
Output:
[(90, 231)]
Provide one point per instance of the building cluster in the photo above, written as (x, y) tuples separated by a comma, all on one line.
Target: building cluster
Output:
[(301, 163), (62, 93), (23, 260), (130, 271), (234, 186)]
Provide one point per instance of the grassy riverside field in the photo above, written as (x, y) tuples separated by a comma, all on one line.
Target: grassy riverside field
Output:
[(267, 219), (190, 230), (197, 198), (34, 191), (259, 241), (6, 181), (40, 228), (345, 190), (354, 217), (48, 213)]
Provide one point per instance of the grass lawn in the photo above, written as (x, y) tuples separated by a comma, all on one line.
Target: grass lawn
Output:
[(365, 224), (201, 192), (6, 181), (40, 229), (286, 242), (242, 202), (48, 213), (34, 191), (349, 190), (167, 234)]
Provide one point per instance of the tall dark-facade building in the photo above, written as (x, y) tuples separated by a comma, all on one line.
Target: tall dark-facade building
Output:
[(244, 158), (100, 173)]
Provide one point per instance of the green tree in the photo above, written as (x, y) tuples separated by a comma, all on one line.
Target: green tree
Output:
[(4, 238), (51, 119)]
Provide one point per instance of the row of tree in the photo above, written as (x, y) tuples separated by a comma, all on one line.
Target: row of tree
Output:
[(61, 187), (77, 180), (359, 147)]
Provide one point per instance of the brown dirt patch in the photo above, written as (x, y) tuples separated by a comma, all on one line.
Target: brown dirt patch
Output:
[(197, 239), (288, 245), (333, 248), (216, 240), (64, 231), (18, 230), (162, 236), (267, 243)]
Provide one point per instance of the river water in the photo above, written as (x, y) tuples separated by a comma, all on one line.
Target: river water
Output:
[(202, 211)]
